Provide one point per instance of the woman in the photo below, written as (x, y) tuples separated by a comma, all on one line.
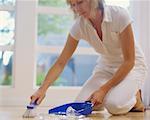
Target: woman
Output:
[(118, 76)]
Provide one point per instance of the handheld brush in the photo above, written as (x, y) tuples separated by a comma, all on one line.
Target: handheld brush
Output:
[(30, 112)]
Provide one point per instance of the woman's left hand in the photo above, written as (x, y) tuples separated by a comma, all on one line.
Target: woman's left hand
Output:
[(98, 96)]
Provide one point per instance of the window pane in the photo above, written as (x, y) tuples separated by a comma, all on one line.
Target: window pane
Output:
[(76, 72), (53, 3), (7, 2), (7, 26), (53, 29), (6, 67), (122, 3)]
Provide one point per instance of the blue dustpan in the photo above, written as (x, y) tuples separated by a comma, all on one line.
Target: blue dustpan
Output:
[(81, 108)]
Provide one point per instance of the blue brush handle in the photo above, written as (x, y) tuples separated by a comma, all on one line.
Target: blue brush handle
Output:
[(32, 105)]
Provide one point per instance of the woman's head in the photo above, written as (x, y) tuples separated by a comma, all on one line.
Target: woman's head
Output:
[(85, 8)]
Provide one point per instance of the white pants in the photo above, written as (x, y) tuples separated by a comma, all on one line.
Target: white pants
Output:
[(121, 98)]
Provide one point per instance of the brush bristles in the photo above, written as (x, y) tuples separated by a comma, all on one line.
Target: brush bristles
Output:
[(29, 113)]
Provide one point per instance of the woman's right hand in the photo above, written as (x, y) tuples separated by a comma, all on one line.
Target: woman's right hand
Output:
[(38, 96)]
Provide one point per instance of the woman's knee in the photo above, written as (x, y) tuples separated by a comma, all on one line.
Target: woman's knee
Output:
[(115, 108)]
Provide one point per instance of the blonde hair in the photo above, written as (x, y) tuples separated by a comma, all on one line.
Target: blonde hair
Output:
[(95, 4)]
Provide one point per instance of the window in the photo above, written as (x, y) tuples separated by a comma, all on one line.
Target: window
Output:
[(7, 28), (7, 2), (53, 28), (122, 3)]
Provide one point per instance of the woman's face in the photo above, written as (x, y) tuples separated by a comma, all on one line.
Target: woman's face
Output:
[(81, 7)]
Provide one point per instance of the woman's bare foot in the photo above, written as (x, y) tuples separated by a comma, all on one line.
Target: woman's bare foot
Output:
[(139, 106)]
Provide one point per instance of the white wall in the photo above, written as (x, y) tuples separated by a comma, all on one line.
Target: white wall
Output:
[(140, 10)]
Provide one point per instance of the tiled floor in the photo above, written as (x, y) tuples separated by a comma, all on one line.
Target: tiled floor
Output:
[(15, 113)]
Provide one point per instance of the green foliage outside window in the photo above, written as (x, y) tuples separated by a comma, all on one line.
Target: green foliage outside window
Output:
[(54, 24), (54, 3)]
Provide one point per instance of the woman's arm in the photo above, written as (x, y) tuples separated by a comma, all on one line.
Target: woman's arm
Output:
[(127, 44), (59, 65), (128, 50), (56, 69)]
